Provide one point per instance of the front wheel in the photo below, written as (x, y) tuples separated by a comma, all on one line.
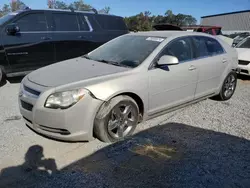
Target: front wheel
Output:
[(228, 87), (116, 119)]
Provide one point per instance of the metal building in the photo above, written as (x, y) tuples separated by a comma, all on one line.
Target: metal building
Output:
[(230, 22)]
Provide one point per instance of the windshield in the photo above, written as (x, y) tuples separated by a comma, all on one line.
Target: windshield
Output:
[(128, 50), (6, 18), (244, 44)]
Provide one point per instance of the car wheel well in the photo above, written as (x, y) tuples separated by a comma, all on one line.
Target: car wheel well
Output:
[(138, 100)]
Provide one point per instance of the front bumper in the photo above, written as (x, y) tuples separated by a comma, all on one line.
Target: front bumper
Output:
[(244, 69), (72, 124)]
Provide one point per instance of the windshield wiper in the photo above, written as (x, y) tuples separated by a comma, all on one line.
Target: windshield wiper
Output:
[(112, 63)]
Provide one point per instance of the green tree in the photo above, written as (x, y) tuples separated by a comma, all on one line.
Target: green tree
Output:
[(16, 5), (59, 5), (5, 10), (105, 10), (139, 22), (80, 5), (13, 6)]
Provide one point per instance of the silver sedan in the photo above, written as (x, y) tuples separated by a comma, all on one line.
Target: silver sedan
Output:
[(135, 77)]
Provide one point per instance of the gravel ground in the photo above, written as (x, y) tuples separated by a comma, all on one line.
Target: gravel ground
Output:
[(203, 145)]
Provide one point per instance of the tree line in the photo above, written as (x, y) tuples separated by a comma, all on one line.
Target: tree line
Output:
[(76, 5), (143, 21)]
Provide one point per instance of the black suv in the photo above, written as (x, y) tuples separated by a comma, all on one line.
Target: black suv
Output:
[(30, 39)]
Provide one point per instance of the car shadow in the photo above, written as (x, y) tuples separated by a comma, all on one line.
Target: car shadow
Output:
[(169, 155), (243, 77), (14, 80)]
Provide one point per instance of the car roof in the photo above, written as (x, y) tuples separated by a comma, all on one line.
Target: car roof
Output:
[(166, 34), (66, 11)]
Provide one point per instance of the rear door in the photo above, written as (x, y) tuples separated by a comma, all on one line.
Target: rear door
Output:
[(212, 61), (87, 37), (66, 35), (31, 48)]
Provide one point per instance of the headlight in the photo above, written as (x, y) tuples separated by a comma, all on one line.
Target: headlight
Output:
[(65, 99)]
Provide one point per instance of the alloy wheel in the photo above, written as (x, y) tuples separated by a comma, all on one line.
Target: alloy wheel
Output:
[(123, 119), (230, 85)]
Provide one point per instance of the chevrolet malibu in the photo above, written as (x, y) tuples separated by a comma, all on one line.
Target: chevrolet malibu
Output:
[(109, 91)]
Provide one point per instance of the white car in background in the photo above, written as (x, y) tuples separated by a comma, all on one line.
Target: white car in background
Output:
[(243, 49)]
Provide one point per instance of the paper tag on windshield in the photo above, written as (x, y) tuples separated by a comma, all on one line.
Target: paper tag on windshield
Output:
[(156, 39)]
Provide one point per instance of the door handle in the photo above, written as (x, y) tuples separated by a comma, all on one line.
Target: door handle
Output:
[(224, 61), (192, 68), (46, 38)]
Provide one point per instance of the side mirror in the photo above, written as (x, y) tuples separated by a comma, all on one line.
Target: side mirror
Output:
[(168, 60), (12, 29)]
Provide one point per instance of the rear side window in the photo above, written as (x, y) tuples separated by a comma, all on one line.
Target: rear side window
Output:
[(84, 23), (209, 31), (180, 48), (111, 22), (206, 46), (65, 22), (32, 22)]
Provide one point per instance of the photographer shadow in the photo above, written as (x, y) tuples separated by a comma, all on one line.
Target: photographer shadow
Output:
[(34, 168)]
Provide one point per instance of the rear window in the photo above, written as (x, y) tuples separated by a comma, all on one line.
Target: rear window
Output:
[(65, 22), (111, 22)]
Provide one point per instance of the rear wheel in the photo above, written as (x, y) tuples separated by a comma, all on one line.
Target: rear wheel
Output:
[(116, 119), (228, 87)]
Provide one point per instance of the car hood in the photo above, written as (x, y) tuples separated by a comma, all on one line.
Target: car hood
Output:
[(243, 54), (73, 70)]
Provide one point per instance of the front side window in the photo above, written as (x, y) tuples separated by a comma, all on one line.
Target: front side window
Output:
[(218, 31), (32, 22), (209, 31), (65, 22), (244, 44), (180, 48), (128, 50)]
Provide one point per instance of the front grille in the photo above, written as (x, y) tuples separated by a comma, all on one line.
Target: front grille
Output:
[(244, 71), (32, 91), (26, 106), (243, 62)]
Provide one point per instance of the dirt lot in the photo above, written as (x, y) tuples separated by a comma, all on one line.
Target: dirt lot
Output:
[(203, 145)]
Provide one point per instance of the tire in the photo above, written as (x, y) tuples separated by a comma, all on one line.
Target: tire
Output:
[(117, 119), (228, 87), (2, 76)]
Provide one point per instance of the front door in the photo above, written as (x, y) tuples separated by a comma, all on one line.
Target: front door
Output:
[(30, 48), (174, 84)]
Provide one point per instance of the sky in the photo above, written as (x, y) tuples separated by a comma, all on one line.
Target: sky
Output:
[(196, 8)]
